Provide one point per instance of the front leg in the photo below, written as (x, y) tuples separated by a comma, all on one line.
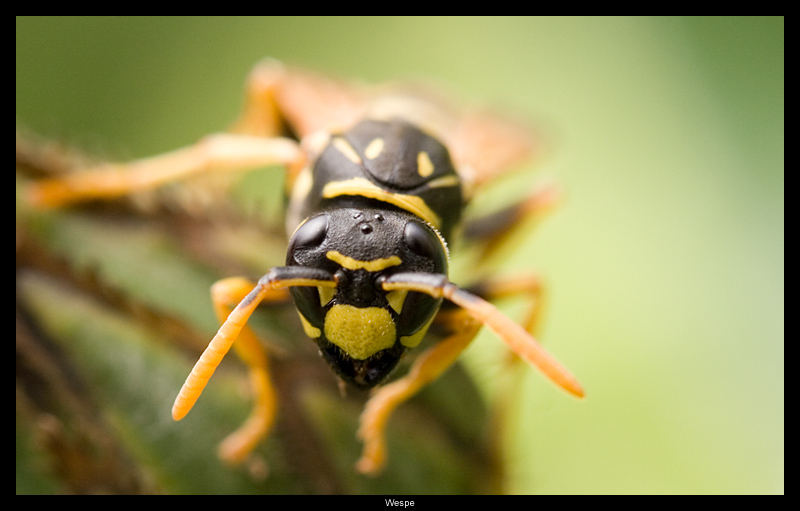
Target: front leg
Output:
[(225, 294), (464, 322), (270, 288), (426, 368)]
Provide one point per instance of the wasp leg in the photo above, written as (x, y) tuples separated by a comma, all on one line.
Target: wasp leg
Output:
[(474, 311), (529, 286), (307, 102), (225, 294), (428, 367), (218, 152), (495, 230), (514, 335), (261, 113), (271, 287), (532, 288)]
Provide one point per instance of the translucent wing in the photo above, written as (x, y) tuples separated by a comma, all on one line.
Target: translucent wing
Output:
[(484, 144)]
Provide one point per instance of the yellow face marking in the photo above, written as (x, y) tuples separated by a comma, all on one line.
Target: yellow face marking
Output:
[(355, 264), (346, 149), (413, 340), (360, 331), (325, 295), (374, 148), (424, 164), (363, 187), (308, 328), (396, 299)]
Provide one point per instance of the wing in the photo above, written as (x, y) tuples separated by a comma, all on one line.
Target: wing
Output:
[(484, 144)]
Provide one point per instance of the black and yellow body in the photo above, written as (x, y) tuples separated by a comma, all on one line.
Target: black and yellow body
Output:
[(371, 200), (380, 199), (391, 162)]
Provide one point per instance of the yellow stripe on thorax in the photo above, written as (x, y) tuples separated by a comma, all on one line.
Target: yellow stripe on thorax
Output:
[(424, 164), (363, 187), (346, 149), (355, 264)]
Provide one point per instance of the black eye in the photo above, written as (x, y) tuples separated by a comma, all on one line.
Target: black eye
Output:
[(420, 240), (311, 233), (423, 241)]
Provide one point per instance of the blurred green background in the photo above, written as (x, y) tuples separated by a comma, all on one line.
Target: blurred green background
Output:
[(666, 261)]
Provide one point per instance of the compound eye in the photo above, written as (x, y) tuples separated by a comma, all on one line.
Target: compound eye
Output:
[(312, 233), (421, 240)]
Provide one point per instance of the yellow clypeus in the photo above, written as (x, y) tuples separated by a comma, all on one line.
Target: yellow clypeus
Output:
[(360, 331)]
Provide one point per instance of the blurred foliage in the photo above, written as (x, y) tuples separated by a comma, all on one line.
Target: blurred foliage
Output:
[(666, 262)]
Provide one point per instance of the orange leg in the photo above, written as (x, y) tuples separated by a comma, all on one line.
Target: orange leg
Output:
[(219, 152), (465, 322), (272, 287), (494, 230), (261, 113), (253, 142), (474, 312), (428, 367), (515, 336), (225, 294), (530, 286)]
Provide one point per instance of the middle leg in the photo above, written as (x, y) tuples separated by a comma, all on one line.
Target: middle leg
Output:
[(219, 152), (494, 230)]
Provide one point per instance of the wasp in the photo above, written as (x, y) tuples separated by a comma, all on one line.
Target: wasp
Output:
[(377, 180)]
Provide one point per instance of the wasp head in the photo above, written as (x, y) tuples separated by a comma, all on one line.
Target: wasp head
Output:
[(361, 329)]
